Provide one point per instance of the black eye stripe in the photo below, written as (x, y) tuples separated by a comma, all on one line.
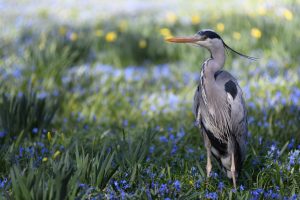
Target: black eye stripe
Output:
[(209, 34)]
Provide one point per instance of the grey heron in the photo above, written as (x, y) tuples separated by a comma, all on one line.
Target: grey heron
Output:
[(219, 106)]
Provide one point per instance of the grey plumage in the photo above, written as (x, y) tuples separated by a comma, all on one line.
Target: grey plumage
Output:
[(219, 107), (224, 117)]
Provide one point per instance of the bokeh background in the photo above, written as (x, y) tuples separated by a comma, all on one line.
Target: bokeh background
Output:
[(95, 104)]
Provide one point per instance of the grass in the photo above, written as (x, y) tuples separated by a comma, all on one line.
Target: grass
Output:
[(103, 111)]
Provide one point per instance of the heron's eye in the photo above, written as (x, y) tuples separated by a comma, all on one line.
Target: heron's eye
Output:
[(204, 37)]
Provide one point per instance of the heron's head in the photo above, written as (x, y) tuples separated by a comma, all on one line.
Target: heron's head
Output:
[(208, 39)]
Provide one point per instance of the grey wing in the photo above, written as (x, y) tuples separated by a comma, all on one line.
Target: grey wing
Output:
[(239, 120), (237, 107)]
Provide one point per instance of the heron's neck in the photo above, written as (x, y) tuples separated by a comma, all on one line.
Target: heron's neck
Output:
[(218, 57), (216, 62)]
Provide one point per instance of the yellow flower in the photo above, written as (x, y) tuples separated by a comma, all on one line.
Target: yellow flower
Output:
[(45, 159), (62, 30), (288, 15), (236, 35), (195, 19), (165, 32), (73, 36), (49, 136), (57, 153), (123, 25), (111, 36), (220, 27), (191, 182), (142, 44), (98, 33), (256, 33), (171, 17), (262, 11)]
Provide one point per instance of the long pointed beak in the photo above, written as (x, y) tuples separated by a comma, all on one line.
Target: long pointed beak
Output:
[(183, 39)]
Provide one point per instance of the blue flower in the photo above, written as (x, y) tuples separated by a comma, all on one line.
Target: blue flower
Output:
[(274, 151), (2, 134), (177, 185), (271, 194), (150, 173), (40, 144), (154, 185), (173, 101), (194, 170), (256, 193), (124, 184), (293, 157), (21, 150), (197, 184), (17, 73), (125, 122), (3, 183), (157, 128), (221, 185), (242, 188), (260, 139), (163, 139), (151, 149), (82, 185), (123, 194), (129, 73), (35, 130), (61, 148), (291, 144), (42, 95), (174, 149), (86, 127), (255, 161), (295, 95), (201, 158), (170, 128), (153, 108), (181, 133), (163, 189), (172, 137), (190, 150), (116, 184), (294, 197), (214, 175), (211, 195)]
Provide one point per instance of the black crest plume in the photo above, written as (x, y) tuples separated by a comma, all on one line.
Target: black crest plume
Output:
[(240, 54)]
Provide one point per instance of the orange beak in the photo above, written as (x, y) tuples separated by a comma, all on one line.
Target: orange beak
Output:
[(183, 39)]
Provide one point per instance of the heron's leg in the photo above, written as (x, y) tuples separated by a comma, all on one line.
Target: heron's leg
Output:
[(208, 151), (208, 165), (232, 169)]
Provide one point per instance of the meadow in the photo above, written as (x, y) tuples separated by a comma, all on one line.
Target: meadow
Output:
[(103, 109)]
